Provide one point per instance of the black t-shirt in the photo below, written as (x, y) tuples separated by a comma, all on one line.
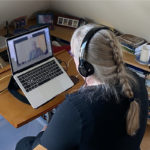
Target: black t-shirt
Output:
[(93, 119)]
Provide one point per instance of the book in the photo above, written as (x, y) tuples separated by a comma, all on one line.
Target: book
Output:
[(138, 70), (131, 40), (128, 49)]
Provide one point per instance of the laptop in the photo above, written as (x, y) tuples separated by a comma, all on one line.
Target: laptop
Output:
[(35, 69)]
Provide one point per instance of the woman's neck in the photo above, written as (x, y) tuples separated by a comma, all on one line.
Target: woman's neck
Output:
[(90, 81)]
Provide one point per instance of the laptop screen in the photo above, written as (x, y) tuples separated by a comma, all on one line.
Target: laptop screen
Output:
[(29, 48)]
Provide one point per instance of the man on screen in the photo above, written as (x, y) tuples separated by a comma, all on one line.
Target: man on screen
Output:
[(35, 52)]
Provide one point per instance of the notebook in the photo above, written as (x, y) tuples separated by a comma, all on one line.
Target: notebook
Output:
[(35, 69)]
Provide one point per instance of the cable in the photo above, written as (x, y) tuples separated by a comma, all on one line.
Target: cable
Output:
[(77, 75), (69, 62), (65, 66), (61, 61), (3, 90), (5, 77), (68, 66)]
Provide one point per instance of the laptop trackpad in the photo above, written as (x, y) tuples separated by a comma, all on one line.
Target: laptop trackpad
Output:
[(49, 90)]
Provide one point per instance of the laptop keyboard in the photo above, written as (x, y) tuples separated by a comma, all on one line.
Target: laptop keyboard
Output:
[(40, 75)]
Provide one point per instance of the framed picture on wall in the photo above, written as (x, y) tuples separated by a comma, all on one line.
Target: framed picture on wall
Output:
[(45, 19), (68, 21), (20, 22)]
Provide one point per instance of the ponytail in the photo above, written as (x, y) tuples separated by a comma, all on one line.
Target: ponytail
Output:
[(133, 118), (133, 114)]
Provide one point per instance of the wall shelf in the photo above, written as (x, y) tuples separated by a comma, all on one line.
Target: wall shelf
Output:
[(66, 34), (130, 59)]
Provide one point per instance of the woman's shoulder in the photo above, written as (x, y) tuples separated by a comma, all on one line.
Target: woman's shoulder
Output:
[(85, 92), (93, 94)]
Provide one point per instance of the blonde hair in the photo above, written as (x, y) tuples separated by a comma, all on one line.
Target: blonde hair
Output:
[(105, 54)]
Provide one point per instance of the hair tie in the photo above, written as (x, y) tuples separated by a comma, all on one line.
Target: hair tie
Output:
[(131, 99)]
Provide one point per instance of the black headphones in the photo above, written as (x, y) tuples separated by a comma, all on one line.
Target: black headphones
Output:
[(85, 68)]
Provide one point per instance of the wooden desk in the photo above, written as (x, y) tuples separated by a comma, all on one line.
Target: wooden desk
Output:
[(18, 113)]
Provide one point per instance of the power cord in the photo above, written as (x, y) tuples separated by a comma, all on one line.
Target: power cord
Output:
[(5, 77), (69, 62), (66, 64), (66, 67), (74, 78), (3, 90)]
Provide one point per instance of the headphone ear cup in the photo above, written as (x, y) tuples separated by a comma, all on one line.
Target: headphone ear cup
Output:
[(85, 69), (89, 68), (82, 71)]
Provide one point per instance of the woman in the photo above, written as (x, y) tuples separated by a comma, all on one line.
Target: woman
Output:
[(110, 112)]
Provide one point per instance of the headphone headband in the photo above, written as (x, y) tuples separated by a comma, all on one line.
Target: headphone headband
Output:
[(87, 39), (85, 68)]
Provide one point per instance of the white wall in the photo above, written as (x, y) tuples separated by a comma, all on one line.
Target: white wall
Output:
[(128, 16), (10, 9)]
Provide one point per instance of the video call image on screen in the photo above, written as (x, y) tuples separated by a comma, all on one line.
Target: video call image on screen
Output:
[(30, 49)]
